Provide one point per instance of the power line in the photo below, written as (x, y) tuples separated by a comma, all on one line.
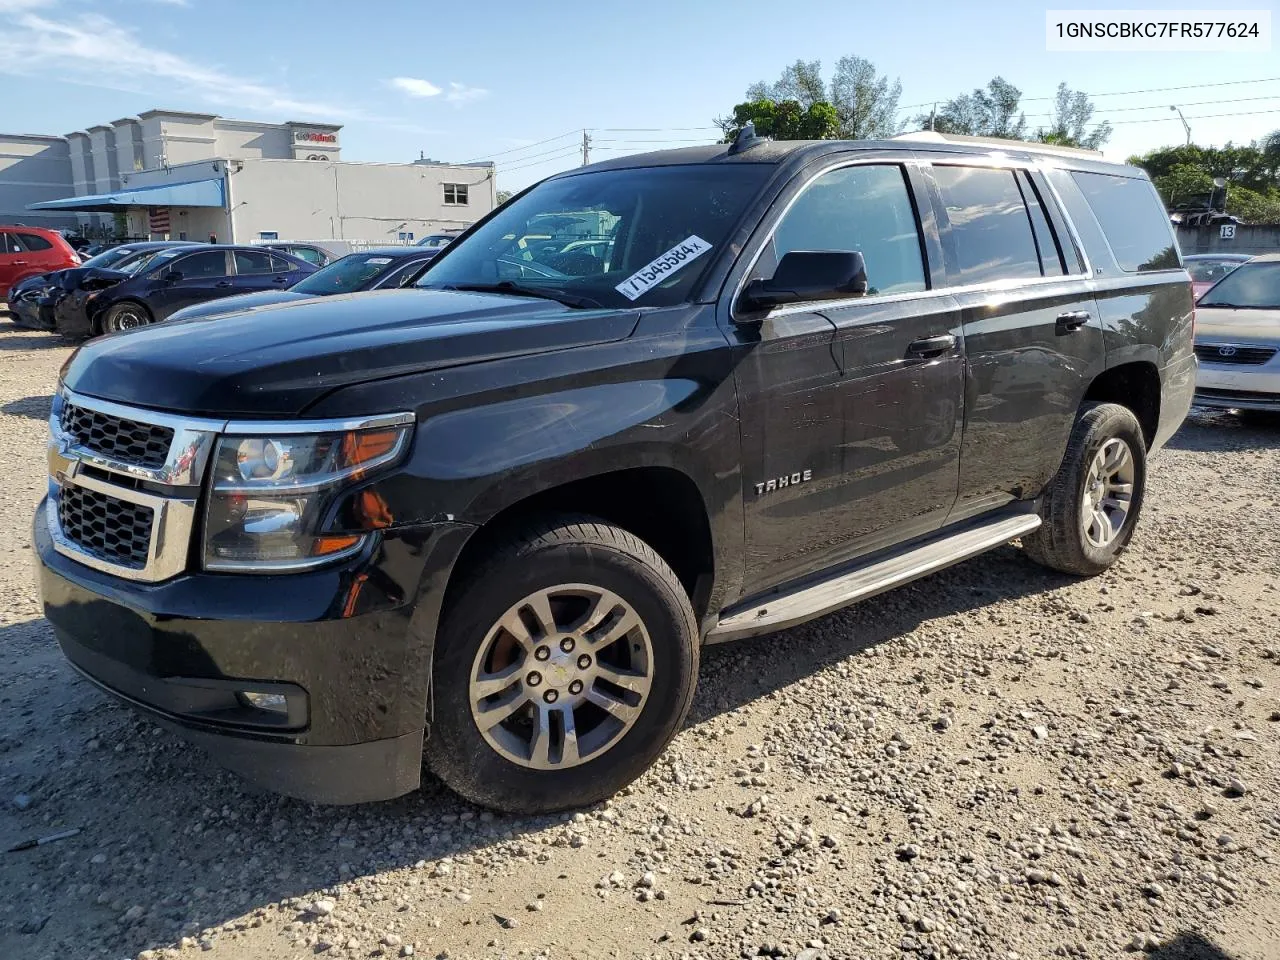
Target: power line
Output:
[(575, 149), (1126, 93), (1202, 116), (527, 146), (650, 129), (534, 156)]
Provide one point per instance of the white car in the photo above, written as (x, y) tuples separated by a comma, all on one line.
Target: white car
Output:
[(1238, 338)]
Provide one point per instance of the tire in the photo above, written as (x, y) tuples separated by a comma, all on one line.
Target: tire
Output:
[(128, 315), (1069, 540), (581, 566)]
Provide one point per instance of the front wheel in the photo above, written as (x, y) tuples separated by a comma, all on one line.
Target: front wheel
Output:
[(1091, 506), (126, 316), (564, 666)]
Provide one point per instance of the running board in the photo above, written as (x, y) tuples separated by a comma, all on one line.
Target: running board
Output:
[(803, 603)]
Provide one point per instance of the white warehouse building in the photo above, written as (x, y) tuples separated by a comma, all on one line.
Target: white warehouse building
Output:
[(193, 176)]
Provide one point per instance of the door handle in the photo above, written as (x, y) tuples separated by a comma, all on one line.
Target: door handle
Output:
[(1072, 320), (280, 280), (20, 263), (223, 283), (929, 347)]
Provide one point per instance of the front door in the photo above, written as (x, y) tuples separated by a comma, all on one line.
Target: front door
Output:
[(189, 279), (851, 410), (12, 261)]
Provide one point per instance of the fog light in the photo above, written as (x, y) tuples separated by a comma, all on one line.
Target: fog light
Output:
[(274, 702)]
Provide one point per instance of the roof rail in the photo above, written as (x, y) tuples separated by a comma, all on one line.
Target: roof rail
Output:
[(932, 136)]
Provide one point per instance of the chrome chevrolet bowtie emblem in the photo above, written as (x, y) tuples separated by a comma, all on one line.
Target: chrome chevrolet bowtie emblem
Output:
[(1226, 351)]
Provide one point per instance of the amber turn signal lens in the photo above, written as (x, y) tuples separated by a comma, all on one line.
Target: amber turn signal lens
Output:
[(358, 448), (326, 545)]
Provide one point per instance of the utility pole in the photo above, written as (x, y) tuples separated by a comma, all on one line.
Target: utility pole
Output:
[(586, 148), (933, 113)]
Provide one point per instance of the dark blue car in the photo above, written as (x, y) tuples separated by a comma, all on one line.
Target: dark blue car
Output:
[(106, 301)]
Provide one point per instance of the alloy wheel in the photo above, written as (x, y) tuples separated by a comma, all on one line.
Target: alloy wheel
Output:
[(1108, 493), (561, 677)]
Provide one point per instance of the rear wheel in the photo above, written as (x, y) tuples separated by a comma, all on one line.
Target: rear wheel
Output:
[(126, 316), (563, 668), (1091, 506)]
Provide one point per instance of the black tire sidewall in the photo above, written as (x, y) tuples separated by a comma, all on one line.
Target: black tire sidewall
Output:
[(458, 753)]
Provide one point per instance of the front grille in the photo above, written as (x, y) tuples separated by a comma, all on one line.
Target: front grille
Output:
[(110, 529), (1231, 353), (125, 441), (1244, 396)]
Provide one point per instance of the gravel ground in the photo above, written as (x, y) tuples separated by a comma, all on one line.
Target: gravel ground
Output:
[(994, 762)]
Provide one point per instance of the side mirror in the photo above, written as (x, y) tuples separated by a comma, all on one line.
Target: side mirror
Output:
[(805, 275)]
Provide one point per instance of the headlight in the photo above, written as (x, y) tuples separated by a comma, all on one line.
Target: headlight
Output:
[(270, 494)]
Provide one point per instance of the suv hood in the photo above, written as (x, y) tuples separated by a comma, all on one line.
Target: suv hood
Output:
[(277, 360)]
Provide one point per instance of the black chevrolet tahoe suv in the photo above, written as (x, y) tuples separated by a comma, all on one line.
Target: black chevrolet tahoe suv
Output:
[(485, 524)]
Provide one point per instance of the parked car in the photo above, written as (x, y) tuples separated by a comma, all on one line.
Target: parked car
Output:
[(511, 506), (30, 251), (108, 301), (1206, 269), (312, 253), (437, 241), (33, 302), (1238, 339), (354, 273)]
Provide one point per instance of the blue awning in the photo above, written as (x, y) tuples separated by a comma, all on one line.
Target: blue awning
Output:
[(194, 193)]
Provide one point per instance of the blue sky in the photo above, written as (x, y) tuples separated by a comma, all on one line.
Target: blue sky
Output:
[(465, 81)]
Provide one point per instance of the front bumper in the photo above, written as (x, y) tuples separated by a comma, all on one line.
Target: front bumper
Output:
[(348, 646), (1239, 386), (26, 313)]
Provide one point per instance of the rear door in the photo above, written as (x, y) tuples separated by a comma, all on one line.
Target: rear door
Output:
[(1033, 338), (850, 410), (193, 278), (42, 255), (256, 270)]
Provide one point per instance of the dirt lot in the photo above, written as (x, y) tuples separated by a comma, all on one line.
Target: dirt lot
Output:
[(995, 762)]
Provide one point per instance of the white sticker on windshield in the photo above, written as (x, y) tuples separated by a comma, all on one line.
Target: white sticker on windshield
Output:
[(652, 274), (379, 261)]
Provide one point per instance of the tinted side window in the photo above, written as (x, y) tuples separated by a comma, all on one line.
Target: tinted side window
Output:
[(308, 254), (212, 263), (1133, 220), (33, 242), (864, 208), (7, 244), (281, 265), (252, 261), (990, 229)]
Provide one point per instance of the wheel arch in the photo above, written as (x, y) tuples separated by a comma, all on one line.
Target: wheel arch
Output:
[(659, 503), (1134, 384)]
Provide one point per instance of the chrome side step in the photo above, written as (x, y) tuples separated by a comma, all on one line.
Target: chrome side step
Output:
[(815, 599)]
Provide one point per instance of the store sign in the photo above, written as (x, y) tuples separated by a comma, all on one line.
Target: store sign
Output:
[(314, 136)]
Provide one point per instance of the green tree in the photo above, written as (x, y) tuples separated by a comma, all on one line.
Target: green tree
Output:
[(1185, 173), (504, 196), (786, 120), (990, 111), (865, 103), (1069, 126)]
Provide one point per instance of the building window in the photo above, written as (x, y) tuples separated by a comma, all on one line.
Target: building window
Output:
[(455, 193)]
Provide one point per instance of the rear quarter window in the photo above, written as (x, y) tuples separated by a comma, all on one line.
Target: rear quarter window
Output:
[(1133, 221)]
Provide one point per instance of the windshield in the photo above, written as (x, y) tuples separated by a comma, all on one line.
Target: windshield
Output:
[(1254, 285), (145, 260), (1210, 271), (347, 275), (109, 258), (613, 237)]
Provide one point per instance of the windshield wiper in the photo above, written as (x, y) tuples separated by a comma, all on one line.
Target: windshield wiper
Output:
[(511, 287), (1229, 306)]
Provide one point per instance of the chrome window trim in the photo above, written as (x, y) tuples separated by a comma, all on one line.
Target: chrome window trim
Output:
[(991, 286), (172, 523)]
